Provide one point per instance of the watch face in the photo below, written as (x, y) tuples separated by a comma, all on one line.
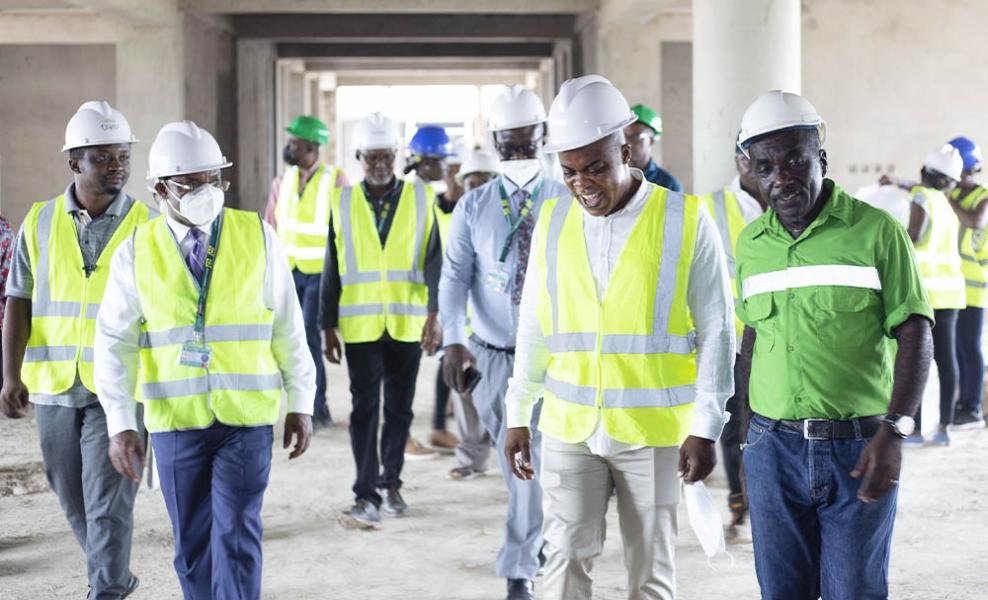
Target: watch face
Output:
[(905, 425)]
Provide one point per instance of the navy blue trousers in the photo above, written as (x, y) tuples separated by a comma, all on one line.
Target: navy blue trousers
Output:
[(307, 289), (213, 482)]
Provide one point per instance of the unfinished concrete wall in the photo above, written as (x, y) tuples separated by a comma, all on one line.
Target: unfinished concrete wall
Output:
[(677, 112), (894, 83), (41, 86)]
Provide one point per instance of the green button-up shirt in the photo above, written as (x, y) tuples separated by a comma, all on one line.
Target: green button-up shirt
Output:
[(823, 308)]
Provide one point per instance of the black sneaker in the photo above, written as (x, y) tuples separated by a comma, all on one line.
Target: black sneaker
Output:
[(393, 503), (967, 419), (363, 515), (521, 589)]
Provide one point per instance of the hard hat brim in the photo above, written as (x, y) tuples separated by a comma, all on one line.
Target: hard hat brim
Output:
[(492, 129), (551, 148), (67, 147), (153, 177), (320, 142)]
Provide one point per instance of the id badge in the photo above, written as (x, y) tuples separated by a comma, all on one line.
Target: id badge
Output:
[(195, 355), (498, 279)]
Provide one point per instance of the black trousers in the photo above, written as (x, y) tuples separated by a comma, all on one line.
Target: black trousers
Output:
[(945, 356), (396, 364)]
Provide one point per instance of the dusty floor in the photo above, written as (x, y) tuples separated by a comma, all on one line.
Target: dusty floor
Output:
[(445, 549)]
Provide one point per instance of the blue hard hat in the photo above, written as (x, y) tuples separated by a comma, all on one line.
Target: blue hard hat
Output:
[(431, 140), (970, 152)]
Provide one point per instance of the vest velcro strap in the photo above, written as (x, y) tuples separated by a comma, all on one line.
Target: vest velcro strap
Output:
[(577, 394), (364, 277), (361, 310), (196, 386), (622, 343), (815, 275), (408, 310), (212, 333), (648, 398)]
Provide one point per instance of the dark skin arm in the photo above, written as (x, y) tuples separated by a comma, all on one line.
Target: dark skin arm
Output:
[(879, 464), (918, 219), (518, 450), (974, 218), (455, 363), (16, 330), (741, 389)]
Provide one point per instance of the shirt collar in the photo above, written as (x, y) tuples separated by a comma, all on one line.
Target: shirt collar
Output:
[(838, 205), (72, 205), (511, 187), (392, 191)]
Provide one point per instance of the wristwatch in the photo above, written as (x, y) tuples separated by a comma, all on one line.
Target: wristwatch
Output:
[(902, 425)]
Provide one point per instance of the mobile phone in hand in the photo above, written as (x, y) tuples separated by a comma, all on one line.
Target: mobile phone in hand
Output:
[(471, 377)]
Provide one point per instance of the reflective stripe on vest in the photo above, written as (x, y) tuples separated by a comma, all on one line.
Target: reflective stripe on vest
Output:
[(383, 287), (65, 300), (243, 385), (627, 364), (303, 222), (937, 258), (973, 251), (799, 277)]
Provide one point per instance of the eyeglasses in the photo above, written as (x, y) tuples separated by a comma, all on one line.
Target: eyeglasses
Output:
[(188, 188)]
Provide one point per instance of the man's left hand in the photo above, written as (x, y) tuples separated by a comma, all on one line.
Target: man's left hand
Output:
[(432, 334), (300, 426), (878, 466), (697, 458)]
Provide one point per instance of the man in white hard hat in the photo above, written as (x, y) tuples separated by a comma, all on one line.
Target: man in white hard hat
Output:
[(626, 333), (825, 283), (298, 208), (202, 327), (54, 291), (487, 256), (379, 294)]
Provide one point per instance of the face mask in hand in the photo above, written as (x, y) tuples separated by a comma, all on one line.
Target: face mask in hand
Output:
[(705, 521), (521, 171), (199, 207)]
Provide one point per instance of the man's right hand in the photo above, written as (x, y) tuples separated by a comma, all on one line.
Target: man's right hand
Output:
[(456, 357), (125, 447), (14, 398), (333, 349), (518, 451)]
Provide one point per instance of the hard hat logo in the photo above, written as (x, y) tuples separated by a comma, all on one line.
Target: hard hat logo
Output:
[(109, 125)]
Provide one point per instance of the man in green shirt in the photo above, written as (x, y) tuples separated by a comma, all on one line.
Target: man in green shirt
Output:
[(828, 289)]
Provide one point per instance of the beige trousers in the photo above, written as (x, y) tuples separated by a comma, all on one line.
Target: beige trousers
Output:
[(577, 487)]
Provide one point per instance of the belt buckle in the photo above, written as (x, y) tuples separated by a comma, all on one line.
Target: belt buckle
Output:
[(808, 423)]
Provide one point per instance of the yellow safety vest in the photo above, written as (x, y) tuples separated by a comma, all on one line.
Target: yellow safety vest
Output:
[(65, 301), (723, 206), (936, 253), (383, 288), (629, 359), (974, 251), (303, 223), (242, 385)]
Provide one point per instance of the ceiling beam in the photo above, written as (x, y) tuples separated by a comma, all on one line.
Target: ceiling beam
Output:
[(388, 6), (409, 51)]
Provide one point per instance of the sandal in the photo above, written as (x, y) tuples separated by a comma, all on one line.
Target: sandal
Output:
[(463, 473)]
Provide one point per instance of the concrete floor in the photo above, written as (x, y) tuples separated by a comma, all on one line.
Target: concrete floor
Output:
[(445, 549)]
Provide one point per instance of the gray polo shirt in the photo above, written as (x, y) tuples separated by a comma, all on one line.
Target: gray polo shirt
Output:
[(93, 235)]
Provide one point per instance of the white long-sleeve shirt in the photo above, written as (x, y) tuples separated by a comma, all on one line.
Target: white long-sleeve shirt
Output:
[(709, 300), (118, 329)]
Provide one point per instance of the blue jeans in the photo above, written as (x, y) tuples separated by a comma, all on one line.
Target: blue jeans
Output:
[(969, 358), (307, 288), (813, 538), (213, 482)]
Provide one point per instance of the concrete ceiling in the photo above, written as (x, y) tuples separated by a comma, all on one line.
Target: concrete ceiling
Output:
[(391, 6)]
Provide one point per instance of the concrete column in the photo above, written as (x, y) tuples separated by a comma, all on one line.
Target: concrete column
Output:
[(740, 49), (255, 115)]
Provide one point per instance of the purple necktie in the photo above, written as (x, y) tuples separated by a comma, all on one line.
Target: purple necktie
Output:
[(196, 258)]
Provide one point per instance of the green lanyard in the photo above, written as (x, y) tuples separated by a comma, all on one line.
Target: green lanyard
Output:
[(513, 226), (383, 218), (207, 276)]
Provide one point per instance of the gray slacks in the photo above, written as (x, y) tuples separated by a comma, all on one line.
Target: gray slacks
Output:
[(98, 502), (519, 556)]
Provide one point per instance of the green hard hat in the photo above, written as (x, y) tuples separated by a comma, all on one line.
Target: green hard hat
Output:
[(649, 117), (309, 128)]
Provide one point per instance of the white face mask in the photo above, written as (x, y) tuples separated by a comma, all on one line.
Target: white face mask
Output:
[(199, 207), (705, 521), (521, 171)]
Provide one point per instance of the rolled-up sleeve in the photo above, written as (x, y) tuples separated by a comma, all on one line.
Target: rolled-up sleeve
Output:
[(457, 277), (712, 308)]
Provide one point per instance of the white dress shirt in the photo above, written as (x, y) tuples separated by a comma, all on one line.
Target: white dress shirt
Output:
[(118, 329), (709, 301)]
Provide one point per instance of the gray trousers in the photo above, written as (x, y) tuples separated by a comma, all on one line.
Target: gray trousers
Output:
[(578, 486), (98, 502), (474, 447), (519, 557)]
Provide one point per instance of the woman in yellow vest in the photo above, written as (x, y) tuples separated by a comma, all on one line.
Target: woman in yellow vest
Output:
[(205, 331), (933, 228), (626, 329), (968, 201)]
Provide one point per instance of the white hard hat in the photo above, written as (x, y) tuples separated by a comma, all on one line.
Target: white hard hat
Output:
[(777, 111), (946, 160), (375, 132), (587, 109), (96, 123), (478, 161), (516, 106), (181, 148)]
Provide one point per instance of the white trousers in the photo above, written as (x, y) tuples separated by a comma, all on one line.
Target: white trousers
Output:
[(577, 487)]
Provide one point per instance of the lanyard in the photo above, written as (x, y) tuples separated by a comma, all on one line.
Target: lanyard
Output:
[(513, 226), (207, 276), (383, 217)]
